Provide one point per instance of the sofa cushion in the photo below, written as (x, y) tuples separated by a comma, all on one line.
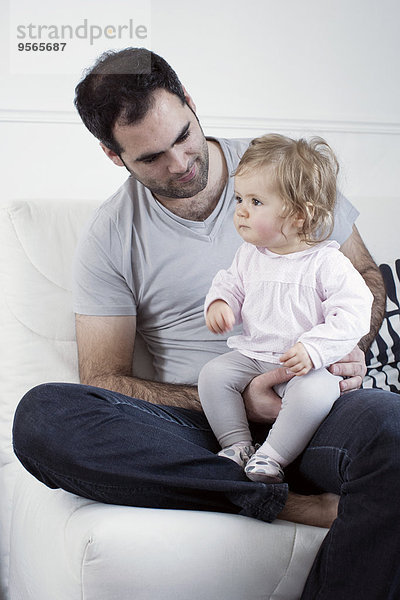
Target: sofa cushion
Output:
[(69, 548)]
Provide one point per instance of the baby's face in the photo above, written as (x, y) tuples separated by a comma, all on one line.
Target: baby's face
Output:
[(259, 209)]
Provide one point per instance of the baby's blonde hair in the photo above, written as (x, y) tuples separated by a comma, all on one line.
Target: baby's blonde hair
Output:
[(305, 174)]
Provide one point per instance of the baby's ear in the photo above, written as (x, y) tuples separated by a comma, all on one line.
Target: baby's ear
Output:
[(299, 221), (307, 214)]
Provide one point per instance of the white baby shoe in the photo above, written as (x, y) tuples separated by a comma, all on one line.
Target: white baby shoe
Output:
[(239, 453), (262, 467)]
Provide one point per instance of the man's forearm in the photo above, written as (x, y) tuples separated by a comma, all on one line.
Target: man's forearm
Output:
[(373, 278), (184, 396), (355, 250)]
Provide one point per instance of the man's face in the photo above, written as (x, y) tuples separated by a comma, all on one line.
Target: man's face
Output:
[(166, 151)]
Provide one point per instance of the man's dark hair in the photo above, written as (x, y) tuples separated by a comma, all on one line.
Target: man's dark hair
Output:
[(119, 87)]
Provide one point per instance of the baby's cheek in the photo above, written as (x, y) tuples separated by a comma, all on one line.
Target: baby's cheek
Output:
[(264, 228)]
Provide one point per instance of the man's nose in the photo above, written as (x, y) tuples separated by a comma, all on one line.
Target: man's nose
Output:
[(178, 162)]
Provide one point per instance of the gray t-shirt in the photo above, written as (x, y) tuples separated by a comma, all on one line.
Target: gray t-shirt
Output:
[(135, 257)]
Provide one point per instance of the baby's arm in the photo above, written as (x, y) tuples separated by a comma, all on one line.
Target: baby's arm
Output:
[(220, 317), (346, 308), (227, 293), (297, 360)]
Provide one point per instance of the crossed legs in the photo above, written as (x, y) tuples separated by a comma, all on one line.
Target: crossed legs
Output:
[(115, 449)]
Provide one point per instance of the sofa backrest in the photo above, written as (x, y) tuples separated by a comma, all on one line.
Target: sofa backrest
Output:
[(38, 239)]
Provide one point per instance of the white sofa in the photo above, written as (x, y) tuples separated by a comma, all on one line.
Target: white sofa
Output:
[(58, 546)]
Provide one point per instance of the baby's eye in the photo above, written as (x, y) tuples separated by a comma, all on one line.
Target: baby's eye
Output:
[(256, 202), (238, 199)]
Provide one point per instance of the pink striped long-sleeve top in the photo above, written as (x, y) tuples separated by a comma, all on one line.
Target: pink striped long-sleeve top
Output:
[(315, 296)]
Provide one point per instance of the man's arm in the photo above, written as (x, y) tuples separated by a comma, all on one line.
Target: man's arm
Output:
[(355, 250), (352, 366), (105, 354)]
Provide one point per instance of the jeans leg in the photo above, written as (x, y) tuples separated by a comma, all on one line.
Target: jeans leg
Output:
[(356, 453), (116, 449)]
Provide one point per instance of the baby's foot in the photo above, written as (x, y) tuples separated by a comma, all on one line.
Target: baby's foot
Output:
[(262, 467), (239, 453)]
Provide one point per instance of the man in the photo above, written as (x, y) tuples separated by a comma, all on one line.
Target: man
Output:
[(143, 267)]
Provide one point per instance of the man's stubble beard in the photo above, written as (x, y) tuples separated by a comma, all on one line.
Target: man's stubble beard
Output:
[(175, 189)]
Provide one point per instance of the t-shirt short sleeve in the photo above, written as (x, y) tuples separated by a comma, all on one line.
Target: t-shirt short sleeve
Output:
[(100, 282), (345, 216)]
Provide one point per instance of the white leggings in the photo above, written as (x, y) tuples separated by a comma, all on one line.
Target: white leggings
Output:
[(306, 401)]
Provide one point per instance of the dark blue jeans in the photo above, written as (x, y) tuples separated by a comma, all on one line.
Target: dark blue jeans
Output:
[(112, 448)]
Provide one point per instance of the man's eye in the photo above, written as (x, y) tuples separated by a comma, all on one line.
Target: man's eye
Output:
[(150, 160), (184, 136)]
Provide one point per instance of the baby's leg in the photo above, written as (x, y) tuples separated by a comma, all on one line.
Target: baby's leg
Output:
[(221, 383), (306, 401)]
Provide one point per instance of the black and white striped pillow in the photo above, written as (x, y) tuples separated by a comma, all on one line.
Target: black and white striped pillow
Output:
[(383, 358)]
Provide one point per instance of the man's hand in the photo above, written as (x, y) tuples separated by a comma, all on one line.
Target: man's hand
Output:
[(351, 366), (297, 360), (220, 317), (261, 402)]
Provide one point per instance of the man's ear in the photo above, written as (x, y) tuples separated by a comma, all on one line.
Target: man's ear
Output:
[(112, 155), (189, 99)]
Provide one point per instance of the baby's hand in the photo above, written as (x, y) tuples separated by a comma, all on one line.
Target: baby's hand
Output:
[(297, 360), (220, 317)]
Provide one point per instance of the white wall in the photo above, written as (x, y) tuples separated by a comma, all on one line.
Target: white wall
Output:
[(315, 66)]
